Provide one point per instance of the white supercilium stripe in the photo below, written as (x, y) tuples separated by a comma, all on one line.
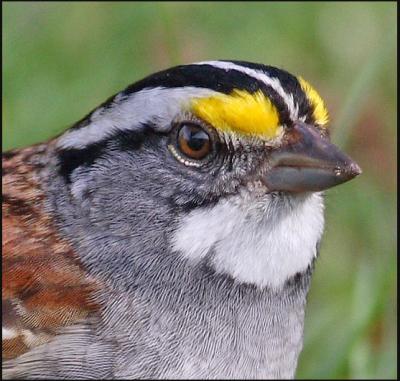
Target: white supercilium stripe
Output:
[(262, 77), (157, 104)]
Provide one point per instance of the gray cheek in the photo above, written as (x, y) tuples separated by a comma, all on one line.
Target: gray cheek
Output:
[(126, 201)]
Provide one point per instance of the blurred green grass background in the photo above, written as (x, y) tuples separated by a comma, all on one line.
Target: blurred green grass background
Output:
[(60, 60)]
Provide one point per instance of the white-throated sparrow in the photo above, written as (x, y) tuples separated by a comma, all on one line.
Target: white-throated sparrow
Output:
[(170, 233)]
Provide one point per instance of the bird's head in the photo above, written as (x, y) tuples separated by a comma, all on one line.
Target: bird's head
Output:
[(212, 159)]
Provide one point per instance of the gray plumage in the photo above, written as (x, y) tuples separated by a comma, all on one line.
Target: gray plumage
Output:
[(204, 271)]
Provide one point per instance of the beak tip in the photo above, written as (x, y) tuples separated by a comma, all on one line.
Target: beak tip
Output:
[(355, 169)]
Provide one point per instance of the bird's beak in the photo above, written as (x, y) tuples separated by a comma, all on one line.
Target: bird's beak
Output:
[(307, 161)]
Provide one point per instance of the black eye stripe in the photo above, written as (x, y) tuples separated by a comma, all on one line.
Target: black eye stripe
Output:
[(70, 159)]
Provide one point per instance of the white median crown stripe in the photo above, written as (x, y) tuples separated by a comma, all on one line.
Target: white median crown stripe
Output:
[(262, 77)]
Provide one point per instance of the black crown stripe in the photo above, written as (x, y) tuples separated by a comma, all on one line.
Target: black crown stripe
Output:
[(217, 79)]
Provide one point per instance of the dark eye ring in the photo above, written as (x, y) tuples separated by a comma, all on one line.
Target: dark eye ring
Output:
[(193, 141)]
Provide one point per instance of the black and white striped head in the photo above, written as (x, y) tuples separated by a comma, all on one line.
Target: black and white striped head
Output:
[(239, 121), (207, 157)]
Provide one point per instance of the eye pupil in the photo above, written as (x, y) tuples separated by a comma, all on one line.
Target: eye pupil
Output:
[(194, 141)]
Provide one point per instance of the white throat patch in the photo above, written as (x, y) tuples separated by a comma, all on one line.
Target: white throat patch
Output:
[(263, 241)]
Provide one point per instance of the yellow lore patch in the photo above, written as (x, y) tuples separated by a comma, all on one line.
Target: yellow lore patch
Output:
[(320, 112), (240, 112)]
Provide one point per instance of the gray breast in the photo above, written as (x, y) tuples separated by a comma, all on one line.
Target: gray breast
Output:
[(206, 327)]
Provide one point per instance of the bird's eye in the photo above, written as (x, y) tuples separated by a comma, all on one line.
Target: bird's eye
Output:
[(193, 141)]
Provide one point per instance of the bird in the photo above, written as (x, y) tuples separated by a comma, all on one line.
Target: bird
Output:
[(172, 232)]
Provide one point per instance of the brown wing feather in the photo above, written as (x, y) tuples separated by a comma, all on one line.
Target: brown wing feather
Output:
[(44, 285)]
